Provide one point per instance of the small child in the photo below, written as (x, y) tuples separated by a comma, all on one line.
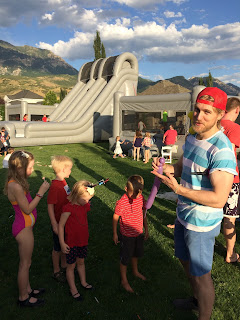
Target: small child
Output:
[(57, 198), (73, 234), (17, 190), (137, 143), (118, 149), (130, 208), (6, 159), (147, 145)]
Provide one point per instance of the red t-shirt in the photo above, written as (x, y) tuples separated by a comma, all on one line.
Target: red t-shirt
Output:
[(232, 131), (76, 227), (57, 195), (131, 215), (44, 119), (170, 137)]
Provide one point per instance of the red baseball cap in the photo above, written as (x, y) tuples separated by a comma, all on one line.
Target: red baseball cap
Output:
[(220, 97)]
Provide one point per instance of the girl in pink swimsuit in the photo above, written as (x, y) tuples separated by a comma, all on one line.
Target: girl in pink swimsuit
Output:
[(17, 189)]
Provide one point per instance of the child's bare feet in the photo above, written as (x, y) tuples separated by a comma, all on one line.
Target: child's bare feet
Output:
[(127, 287), (139, 275)]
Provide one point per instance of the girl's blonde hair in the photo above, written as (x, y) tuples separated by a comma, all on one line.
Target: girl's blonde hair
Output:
[(135, 184), (17, 167), (60, 162), (117, 138), (147, 134), (78, 190)]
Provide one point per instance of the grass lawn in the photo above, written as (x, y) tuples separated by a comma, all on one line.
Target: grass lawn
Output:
[(165, 277)]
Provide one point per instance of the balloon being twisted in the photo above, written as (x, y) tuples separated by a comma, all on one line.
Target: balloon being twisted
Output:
[(155, 187)]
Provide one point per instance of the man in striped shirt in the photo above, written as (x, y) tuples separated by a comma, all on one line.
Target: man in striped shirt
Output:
[(207, 168)]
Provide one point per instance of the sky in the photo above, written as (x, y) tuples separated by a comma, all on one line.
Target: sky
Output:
[(169, 37)]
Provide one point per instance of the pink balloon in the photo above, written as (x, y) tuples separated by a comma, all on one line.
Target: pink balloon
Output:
[(156, 185)]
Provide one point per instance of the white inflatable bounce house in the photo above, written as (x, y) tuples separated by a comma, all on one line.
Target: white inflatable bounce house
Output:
[(103, 104)]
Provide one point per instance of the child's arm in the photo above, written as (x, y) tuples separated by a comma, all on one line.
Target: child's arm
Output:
[(52, 217), (17, 192), (115, 222), (145, 225), (64, 216)]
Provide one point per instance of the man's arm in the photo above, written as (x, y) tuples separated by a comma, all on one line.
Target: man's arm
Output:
[(221, 182)]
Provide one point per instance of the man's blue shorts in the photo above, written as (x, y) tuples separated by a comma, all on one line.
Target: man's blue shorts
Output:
[(195, 247)]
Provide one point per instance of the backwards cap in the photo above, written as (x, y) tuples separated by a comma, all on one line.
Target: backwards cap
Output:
[(220, 97)]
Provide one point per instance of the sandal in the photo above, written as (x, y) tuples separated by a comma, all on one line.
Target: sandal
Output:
[(59, 276), (79, 298), (237, 260), (27, 303), (88, 287), (36, 294)]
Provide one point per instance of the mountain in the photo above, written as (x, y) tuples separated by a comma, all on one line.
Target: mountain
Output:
[(229, 88), (164, 87), (30, 61)]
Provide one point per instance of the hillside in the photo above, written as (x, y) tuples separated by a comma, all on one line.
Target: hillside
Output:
[(41, 85), (30, 61), (164, 87)]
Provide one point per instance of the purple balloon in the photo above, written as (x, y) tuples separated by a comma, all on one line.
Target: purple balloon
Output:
[(156, 185)]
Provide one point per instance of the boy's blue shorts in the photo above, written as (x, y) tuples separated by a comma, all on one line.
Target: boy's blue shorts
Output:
[(195, 247)]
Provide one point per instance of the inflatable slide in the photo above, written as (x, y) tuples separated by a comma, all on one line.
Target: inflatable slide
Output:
[(86, 113)]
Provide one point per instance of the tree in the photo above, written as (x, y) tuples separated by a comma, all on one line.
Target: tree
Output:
[(63, 93), (99, 50), (210, 80), (50, 98), (201, 82)]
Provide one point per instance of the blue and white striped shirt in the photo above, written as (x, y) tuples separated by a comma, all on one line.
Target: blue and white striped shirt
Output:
[(201, 158)]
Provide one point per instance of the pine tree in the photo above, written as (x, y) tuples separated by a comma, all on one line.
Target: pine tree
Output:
[(63, 94), (210, 80), (201, 82), (103, 52), (99, 49)]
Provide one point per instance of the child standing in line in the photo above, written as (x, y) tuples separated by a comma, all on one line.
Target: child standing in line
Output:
[(6, 159), (57, 198), (17, 190), (137, 143), (118, 149), (73, 234), (147, 145), (130, 208)]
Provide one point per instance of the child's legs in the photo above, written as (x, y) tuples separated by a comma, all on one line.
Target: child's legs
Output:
[(81, 271), (71, 278), (56, 253), (25, 242), (63, 260), (138, 252), (138, 152), (147, 156), (134, 152)]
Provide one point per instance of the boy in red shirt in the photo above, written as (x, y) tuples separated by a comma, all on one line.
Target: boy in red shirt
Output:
[(57, 198), (130, 208)]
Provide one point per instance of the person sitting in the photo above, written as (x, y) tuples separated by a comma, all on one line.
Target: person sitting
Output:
[(5, 160), (170, 136)]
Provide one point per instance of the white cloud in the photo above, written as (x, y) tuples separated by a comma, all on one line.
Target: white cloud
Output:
[(171, 14), (231, 78)]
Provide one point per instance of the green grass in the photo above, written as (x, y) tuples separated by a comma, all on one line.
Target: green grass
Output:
[(165, 277)]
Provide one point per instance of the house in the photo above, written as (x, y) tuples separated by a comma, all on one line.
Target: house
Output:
[(26, 102)]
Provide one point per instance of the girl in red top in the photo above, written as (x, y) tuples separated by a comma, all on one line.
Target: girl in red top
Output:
[(73, 234)]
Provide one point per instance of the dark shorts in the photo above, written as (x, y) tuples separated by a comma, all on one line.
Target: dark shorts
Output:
[(76, 252), (147, 148), (130, 247), (56, 243), (231, 208)]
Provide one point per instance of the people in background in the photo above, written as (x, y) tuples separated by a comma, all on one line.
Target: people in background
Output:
[(25, 117), (141, 125), (170, 136), (6, 158), (137, 143), (44, 118)]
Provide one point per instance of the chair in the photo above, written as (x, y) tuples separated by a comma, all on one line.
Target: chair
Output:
[(167, 154)]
